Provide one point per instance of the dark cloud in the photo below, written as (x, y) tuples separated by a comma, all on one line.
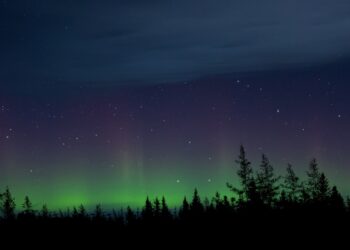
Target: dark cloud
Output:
[(160, 41)]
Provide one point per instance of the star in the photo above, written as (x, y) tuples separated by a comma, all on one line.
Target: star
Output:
[(177, 181)]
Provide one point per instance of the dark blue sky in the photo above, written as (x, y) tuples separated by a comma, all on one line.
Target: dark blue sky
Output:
[(161, 41), (154, 97)]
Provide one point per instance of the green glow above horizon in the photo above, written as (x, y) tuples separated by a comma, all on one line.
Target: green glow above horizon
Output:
[(125, 186), (116, 188)]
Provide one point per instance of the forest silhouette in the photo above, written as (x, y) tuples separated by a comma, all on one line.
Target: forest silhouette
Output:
[(261, 200)]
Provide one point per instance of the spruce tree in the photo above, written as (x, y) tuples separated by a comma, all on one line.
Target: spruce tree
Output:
[(27, 207), (147, 211), (266, 182), (130, 217), (165, 212), (157, 209), (184, 210), (196, 205), (323, 190), (245, 174), (292, 186), (313, 175), (8, 205), (336, 200)]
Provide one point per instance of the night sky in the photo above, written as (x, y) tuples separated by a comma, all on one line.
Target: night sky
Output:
[(110, 101)]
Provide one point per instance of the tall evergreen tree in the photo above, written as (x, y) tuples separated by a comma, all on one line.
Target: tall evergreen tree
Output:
[(267, 182), (184, 210), (130, 216), (196, 204), (165, 212), (323, 189), (147, 211), (157, 209), (313, 175), (8, 205), (254, 198), (27, 207), (292, 186), (336, 200), (245, 174)]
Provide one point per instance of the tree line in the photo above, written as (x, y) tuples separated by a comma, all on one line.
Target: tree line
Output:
[(260, 192)]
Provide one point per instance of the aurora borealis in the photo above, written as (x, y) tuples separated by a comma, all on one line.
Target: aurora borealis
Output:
[(97, 107)]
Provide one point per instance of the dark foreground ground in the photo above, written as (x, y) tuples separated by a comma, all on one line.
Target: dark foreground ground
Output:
[(263, 230)]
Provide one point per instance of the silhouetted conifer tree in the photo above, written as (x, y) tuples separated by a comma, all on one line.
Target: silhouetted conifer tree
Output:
[(147, 211), (266, 182), (45, 214), (313, 180), (157, 209), (27, 206), (336, 200), (323, 190), (165, 212), (184, 210), (245, 174), (196, 205), (254, 199), (8, 205), (292, 186), (130, 217)]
